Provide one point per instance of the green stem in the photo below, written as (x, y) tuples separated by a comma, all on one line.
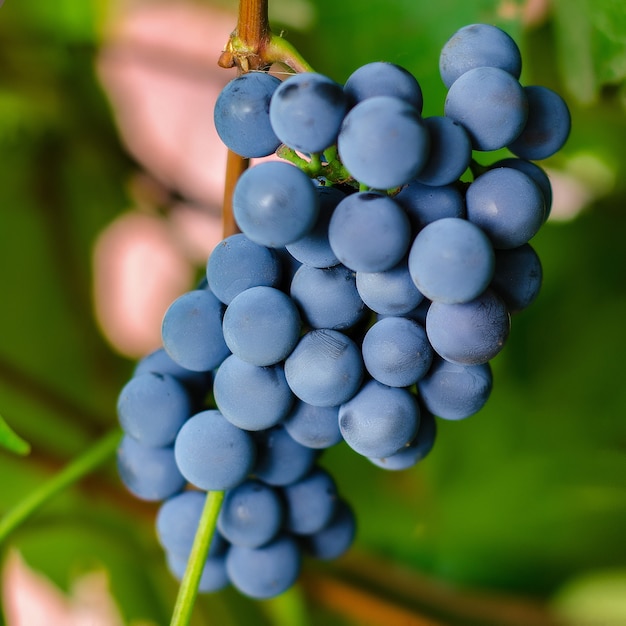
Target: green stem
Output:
[(188, 590), (279, 50), (77, 469)]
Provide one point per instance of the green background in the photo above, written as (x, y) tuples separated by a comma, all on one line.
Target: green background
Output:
[(518, 514)]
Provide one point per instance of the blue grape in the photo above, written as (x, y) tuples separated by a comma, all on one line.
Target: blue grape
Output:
[(507, 205), (325, 368), (469, 333), (214, 576), (478, 45), (450, 152), (267, 571), (379, 420), (490, 104), (249, 396), (335, 538), (518, 275), (383, 142), (392, 292), (451, 260), (418, 448), (261, 325), (313, 426), (396, 351), (369, 232), (241, 115), (453, 391), (281, 460), (383, 79), (251, 514), (314, 248), (148, 473), (192, 331), (275, 203), (212, 454), (152, 407), (548, 125), (425, 204), (306, 111), (177, 522), (236, 264), (160, 362), (535, 173), (327, 298), (310, 502)]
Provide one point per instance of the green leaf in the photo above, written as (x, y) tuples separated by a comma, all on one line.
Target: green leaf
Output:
[(11, 441)]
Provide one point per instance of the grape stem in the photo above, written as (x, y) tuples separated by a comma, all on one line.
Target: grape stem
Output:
[(188, 590), (82, 465)]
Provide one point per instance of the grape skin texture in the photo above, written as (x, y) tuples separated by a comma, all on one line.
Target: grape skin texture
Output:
[(148, 473), (383, 142), (267, 571), (152, 407), (507, 205), (192, 331), (261, 325), (335, 538), (275, 204), (547, 128), (236, 264), (453, 391), (251, 514), (396, 351), (383, 79), (325, 368), (314, 248), (470, 333), (281, 460), (450, 152), (392, 292), (306, 111), (212, 454), (490, 104), (241, 115), (518, 275), (379, 420), (369, 232), (249, 396), (478, 45), (310, 502), (327, 298), (451, 260), (313, 426), (418, 448)]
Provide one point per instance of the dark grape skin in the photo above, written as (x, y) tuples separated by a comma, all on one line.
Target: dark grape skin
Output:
[(152, 407), (148, 473), (264, 572), (455, 392), (469, 333), (313, 426), (241, 115), (212, 454), (251, 515), (379, 420), (335, 538), (478, 45), (490, 104)]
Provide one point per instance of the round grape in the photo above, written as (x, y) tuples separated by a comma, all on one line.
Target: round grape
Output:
[(335, 538), (313, 426)]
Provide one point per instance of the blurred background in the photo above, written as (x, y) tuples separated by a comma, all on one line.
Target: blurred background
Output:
[(111, 182)]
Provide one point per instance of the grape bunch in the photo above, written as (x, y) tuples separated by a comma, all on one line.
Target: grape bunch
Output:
[(373, 280)]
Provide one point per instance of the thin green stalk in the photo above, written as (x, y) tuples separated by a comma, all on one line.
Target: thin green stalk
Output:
[(80, 467), (183, 609)]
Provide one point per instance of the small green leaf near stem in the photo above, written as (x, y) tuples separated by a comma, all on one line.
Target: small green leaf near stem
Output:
[(80, 467), (188, 590), (11, 441)]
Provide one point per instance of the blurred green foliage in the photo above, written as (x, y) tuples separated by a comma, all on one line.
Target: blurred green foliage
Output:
[(527, 497)]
